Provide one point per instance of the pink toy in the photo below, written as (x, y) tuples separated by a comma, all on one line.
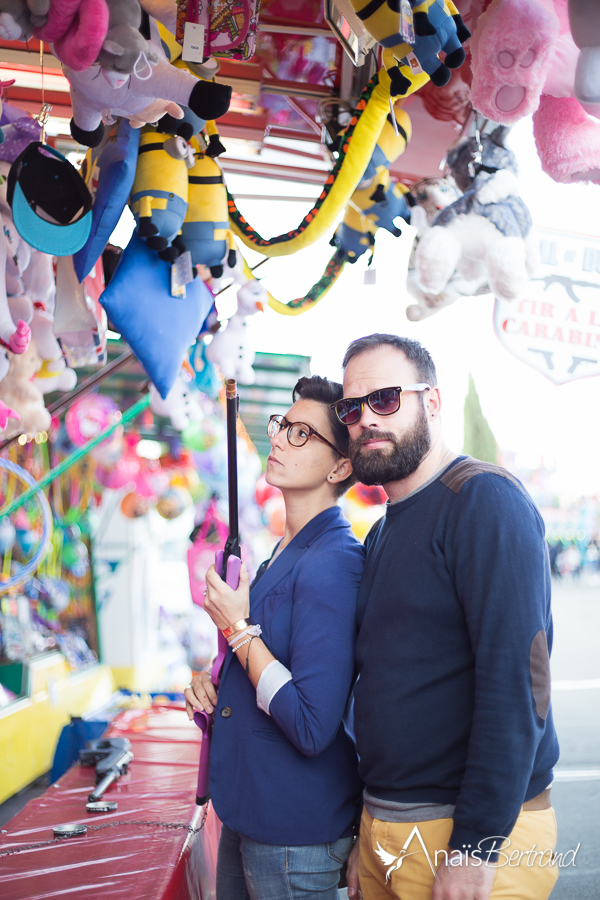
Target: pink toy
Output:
[(7, 413), (524, 61), (95, 101), (89, 416), (77, 29)]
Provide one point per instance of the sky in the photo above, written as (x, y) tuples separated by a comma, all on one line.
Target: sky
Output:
[(528, 414)]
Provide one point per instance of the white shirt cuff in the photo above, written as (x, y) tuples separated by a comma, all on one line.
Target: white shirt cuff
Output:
[(272, 679)]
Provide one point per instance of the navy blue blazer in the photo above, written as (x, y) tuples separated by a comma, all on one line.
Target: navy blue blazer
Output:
[(290, 778)]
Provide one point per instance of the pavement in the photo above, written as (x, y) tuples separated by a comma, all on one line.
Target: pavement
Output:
[(576, 706)]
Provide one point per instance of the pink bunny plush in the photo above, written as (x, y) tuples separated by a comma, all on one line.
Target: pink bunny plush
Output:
[(524, 62)]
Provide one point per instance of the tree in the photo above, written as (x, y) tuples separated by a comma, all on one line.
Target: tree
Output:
[(479, 440)]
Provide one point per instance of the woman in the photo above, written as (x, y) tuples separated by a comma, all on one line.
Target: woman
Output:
[(283, 774)]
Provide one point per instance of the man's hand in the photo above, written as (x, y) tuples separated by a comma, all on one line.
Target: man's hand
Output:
[(354, 892), (463, 882), (200, 694), (224, 605)]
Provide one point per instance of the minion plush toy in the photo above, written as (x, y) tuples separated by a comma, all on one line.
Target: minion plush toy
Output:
[(436, 26), (205, 230), (159, 197)]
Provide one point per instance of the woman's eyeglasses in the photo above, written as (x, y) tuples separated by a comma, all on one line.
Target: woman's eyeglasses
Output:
[(383, 402), (298, 434)]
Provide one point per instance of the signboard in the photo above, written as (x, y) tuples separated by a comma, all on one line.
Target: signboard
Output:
[(555, 328)]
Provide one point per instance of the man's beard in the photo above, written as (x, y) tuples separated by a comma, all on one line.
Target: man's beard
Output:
[(385, 466)]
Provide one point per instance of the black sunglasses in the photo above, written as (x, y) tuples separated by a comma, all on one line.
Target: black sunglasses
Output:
[(298, 433), (383, 402)]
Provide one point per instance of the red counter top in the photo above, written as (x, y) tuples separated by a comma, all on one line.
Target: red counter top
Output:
[(124, 862)]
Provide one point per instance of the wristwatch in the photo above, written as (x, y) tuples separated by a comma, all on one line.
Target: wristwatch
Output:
[(237, 626)]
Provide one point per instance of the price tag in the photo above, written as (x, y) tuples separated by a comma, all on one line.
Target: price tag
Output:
[(407, 27), (413, 63), (370, 276), (185, 272), (193, 42), (177, 289)]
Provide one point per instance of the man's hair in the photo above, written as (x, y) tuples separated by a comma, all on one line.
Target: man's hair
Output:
[(327, 392), (413, 350)]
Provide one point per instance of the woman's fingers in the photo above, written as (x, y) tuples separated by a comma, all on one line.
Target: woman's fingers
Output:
[(200, 694)]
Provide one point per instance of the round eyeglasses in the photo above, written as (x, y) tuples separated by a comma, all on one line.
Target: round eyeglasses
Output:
[(383, 402), (298, 433)]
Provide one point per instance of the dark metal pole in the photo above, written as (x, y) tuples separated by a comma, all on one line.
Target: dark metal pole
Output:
[(232, 547)]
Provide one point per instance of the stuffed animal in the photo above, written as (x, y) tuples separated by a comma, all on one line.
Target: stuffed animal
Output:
[(154, 112), (525, 61), (205, 232), (19, 393), (438, 27), (159, 196), (484, 236), (76, 30), (13, 337), (229, 348), (124, 50), (180, 405), (584, 19), (53, 374), (94, 100), (19, 18)]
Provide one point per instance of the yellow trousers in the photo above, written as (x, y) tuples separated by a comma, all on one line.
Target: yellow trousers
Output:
[(413, 880)]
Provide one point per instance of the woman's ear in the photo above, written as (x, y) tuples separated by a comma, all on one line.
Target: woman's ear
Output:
[(341, 471)]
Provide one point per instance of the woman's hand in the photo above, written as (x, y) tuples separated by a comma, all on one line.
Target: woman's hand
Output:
[(200, 694), (224, 605)]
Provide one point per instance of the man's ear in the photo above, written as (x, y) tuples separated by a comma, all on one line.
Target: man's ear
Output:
[(433, 403)]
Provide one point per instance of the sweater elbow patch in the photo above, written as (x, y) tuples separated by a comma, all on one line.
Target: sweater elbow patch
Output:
[(539, 665)]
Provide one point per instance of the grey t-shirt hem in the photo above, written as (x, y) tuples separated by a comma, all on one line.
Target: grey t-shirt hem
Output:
[(392, 811)]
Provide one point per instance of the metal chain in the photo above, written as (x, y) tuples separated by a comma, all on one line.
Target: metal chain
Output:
[(57, 840)]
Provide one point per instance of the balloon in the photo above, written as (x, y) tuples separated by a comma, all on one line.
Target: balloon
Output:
[(174, 502), (273, 515), (368, 495), (202, 436), (123, 473), (8, 535), (264, 491), (151, 481), (110, 451), (133, 506), (89, 416)]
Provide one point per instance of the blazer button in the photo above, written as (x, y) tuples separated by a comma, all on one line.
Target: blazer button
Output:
[(226, 712)]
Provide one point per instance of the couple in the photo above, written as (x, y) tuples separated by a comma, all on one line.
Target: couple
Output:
[(444, 616)]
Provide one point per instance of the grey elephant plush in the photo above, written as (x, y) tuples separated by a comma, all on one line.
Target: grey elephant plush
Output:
[(124, 49), (18, 19)]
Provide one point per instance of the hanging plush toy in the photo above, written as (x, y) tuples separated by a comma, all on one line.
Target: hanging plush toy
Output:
[(525, 61), (159, 196), (19, 393), (205, 232), (584, 19), (181, 403), (229, 348), (436, 27), (484, 236), (18, 19), (95, 100)]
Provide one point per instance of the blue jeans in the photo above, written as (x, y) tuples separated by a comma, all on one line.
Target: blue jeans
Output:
[(249, 870)]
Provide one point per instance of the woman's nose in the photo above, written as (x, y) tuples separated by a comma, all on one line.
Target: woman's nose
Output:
[(278, 442)]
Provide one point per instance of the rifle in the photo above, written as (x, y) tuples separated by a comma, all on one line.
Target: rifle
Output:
[(111, 756), (227, 563)]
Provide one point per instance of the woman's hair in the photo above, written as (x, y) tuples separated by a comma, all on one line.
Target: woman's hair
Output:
[(327, 392)]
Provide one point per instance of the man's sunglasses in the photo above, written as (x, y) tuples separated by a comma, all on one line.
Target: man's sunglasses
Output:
[(383, 402), (298, 433)]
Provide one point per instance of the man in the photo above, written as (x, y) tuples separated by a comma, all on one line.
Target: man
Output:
[(452, 705)]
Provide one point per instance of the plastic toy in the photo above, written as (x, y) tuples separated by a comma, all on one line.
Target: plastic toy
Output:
[(484, 236), (438, 27), (525, 61)]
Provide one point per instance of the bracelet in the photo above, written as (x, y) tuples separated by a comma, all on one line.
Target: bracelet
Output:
[(254, 630), (237, 626), (248, 656), (246, 641)]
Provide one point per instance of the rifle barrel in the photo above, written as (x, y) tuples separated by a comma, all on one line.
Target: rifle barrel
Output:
[(231, 397)]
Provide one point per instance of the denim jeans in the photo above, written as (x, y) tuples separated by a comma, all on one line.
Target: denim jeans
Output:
[(249, 870)]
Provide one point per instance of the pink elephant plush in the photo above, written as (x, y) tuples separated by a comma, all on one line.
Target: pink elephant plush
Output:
[(524, 62), (77, 29)]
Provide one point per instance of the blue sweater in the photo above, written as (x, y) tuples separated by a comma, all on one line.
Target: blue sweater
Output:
[(452, 705), (291, 777)]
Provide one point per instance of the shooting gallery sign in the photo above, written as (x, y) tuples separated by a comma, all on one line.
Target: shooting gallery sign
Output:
[(555, 328)]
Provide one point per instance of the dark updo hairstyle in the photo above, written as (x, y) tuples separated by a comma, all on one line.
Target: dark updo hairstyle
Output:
[(327, 392)]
